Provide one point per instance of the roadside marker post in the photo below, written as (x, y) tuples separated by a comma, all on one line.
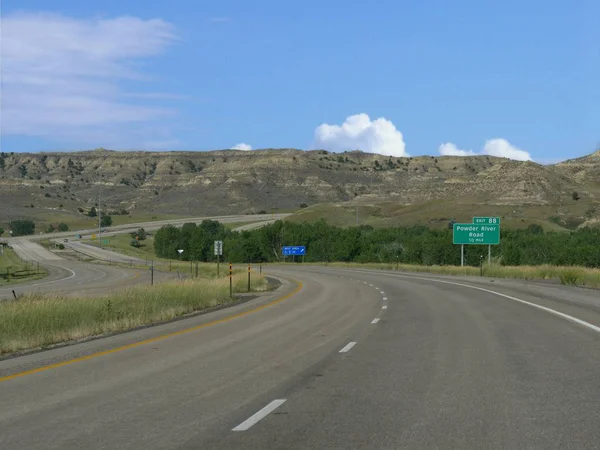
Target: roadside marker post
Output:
[(230, 280), (248, 277), (196, 269), (152, 273), (218, 245)]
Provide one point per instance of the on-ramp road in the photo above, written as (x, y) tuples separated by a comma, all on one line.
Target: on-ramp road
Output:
[(353, 359), (75, 278)]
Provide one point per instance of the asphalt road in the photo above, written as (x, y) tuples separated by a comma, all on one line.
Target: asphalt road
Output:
[(109, 255), (156, 224), (355, 359), (73, 278)]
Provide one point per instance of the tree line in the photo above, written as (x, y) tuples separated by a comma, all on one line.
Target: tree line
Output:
[(406, 245)]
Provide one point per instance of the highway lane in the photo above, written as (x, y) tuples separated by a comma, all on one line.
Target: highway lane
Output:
[(157, 224), (183, 388), (72, 277), (109, 255), (356, 359), (102, 254), (75, 279)]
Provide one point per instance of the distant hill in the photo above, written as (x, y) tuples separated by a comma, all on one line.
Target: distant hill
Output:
[(231, 182)]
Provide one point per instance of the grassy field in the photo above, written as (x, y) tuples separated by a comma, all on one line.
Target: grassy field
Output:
[(122, 244), (13, 270), (40, 320), (577, 276), (437, 214), (233, 226)]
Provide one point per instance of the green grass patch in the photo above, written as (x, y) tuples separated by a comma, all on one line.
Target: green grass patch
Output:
[(83, 222), (13, 270), (40, 320), (234, 225), (121, 243), (437, 214)]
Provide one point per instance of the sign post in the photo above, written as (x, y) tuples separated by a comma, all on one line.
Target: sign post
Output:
[(483, 231), (218, 253), (230, 280)]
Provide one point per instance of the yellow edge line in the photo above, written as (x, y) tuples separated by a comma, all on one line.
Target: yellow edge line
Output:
[(151, 340)]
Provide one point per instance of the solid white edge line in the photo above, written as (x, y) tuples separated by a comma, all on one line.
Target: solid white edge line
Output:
[(252, 420), (44, 282), (348, 347), (525, 302), (384, 307), (375, 320)]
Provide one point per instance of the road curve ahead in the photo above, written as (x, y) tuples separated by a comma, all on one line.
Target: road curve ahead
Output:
[(73, 278), (354, 359)]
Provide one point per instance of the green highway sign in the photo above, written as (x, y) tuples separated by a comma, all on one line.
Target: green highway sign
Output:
[(486, 220), (471, 233)]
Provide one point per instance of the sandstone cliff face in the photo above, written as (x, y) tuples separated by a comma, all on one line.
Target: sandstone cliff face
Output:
[(228, 181)]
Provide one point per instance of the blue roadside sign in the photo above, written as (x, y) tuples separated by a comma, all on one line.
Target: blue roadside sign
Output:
[(293, 250)]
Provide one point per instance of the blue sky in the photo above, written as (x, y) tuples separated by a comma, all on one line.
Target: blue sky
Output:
[(511, 78)]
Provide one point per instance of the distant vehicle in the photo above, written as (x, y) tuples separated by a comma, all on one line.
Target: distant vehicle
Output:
[(66, 240), (103, 230), (79, 236)]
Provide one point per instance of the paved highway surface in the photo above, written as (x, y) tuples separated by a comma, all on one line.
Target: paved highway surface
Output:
[(156, 224), (355, 359), (109, 255), (73, 278)]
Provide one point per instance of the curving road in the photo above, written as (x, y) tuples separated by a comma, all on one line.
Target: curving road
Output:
[(156, 224), (74, 278), (353, 359)]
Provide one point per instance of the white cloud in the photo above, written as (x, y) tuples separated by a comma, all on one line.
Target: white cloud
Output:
[(241, 146), (493, 147), (61, 75), (450, 149), (503, 149), (359, 132)]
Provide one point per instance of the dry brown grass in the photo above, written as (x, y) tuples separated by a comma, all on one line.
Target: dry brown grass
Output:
[(40, 320)]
